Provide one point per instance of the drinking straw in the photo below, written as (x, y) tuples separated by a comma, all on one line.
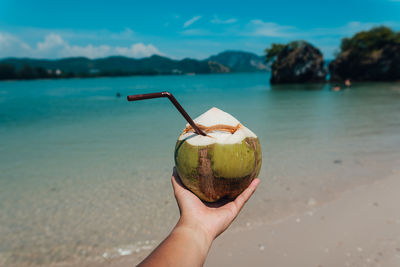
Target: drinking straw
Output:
[(174, 101)]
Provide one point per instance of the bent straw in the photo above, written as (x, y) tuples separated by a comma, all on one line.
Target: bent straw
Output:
[(174, 101)]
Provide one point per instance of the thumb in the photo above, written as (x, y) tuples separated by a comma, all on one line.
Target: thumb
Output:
[(245, 195)]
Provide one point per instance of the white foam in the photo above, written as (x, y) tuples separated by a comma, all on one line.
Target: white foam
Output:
[(124, 252), (129, 249)]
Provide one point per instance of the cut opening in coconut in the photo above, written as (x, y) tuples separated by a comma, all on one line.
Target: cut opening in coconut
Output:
[(220, 127)]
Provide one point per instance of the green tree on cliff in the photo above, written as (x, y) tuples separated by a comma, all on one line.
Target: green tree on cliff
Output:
[(273, 52), (7, 72), (372, 55), (367, 41)]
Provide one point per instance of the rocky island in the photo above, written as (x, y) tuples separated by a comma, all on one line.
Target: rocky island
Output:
[(296, 62), (372, 55)]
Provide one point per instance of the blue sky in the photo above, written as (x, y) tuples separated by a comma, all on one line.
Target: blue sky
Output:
[(178, 29)]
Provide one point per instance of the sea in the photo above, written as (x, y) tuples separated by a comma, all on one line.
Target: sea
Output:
[(85, 174)]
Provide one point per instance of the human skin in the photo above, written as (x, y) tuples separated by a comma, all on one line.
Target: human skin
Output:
[(199, 224)]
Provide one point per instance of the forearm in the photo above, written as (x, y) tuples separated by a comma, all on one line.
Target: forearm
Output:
[(187, 245)]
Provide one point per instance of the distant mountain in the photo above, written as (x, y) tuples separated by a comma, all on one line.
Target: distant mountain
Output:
[(122, 65), (240, 61), (26, 68)]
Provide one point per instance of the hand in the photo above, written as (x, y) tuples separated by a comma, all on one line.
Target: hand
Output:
[(200, 223), (212, 218)]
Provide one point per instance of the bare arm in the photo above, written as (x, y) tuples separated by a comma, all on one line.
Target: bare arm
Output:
[(199, 224)]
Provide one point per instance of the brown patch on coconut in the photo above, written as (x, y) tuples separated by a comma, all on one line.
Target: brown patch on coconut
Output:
[(214, 188), (206, 175), (232, 187)]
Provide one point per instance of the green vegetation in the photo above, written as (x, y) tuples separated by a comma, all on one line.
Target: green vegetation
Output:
[(26, 72), (14, 68), (229, 61), (273, 52), (372, 55), (366, 42), (7, 72)]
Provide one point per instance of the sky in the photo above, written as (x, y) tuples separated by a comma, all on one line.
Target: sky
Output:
[(180, 29)]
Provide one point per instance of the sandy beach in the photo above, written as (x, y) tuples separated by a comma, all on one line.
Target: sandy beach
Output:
[(361, 227)]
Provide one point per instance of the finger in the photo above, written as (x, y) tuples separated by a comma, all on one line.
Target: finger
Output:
[(180, 191), (245, 195), (176, 185), (177, 178), (176, 182)]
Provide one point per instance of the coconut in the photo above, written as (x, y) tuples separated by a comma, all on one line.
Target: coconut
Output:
[(221, 164)]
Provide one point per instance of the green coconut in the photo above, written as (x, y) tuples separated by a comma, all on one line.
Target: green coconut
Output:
[(221, 164)]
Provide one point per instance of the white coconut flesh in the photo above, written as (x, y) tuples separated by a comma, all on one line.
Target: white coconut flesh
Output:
[(217, 121)]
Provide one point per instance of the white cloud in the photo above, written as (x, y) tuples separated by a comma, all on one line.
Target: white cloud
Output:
[(217, 20), (191, 21), (346, 30), (138, 50), (50, 41), (89, 51), (269, 29), (260, 28), (54, 46), (9, 43), (126, 34)]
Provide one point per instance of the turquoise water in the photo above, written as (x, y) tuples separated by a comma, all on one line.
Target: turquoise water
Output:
[(84, 173)]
